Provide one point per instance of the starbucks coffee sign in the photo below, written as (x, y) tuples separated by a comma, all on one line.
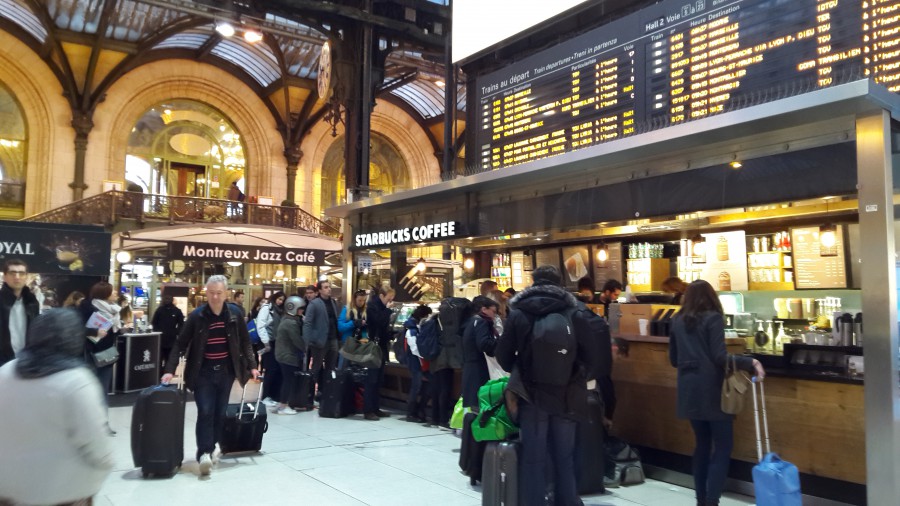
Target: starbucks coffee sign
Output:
[(423, 233)]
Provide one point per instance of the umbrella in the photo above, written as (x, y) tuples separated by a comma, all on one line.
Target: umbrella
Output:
[(227, 235)]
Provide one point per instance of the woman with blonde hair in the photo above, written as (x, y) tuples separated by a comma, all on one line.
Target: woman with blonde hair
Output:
[(74, 299)]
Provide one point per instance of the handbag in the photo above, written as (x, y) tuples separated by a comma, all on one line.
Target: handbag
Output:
[(733, 388), (366, 354), (106, 357)]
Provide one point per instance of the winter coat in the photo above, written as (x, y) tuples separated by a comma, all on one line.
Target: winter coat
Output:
[(346, 325), (289, 343), (86, 309), (478, 339), (265, 322), (168, 320), (57, 450), (529, 304), (451, 356), (7, 299), (316, 321), (699, 353), (378, 320), (192, 341)]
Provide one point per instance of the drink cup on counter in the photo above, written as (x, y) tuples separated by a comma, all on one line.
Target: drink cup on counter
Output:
[(643, 326)]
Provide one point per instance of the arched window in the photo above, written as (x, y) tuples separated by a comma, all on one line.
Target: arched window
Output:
[(13, 149), (184, 148), (388, 171)]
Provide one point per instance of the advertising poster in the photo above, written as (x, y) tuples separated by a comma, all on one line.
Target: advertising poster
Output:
[(726, 261), (576, 263)]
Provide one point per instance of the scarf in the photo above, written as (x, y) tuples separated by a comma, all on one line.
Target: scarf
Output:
[(54, 343), (110, 311), (492, 323)]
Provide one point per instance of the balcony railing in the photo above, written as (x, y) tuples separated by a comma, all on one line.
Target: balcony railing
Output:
[(108, 208)]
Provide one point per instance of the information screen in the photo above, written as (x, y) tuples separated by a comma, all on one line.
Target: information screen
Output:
[(678, 61)]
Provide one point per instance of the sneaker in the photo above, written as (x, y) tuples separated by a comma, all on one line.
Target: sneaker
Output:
[(412, 419), (268, 401), (382, 414), (216, 456), (371, 416), (610, 482), (205, 464), (286, 411)]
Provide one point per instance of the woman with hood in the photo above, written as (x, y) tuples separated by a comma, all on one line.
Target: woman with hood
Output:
[(418, 397)]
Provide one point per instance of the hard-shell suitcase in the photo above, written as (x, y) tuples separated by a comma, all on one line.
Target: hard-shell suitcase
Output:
[(775, 481), (589, 449), (337, 395), (157, 430), (500, 474), (245, 424), (471, 452), (302, 385)]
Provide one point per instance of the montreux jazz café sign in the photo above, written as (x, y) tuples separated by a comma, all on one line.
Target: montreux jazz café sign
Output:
[(218, 253)]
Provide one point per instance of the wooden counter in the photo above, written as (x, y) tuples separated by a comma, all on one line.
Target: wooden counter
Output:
[(817, 425)]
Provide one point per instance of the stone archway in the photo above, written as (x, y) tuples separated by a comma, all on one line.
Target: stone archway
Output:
[(51, 155), (157, 82)]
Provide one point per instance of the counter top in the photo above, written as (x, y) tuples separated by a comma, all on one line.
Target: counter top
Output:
[(636, 338)]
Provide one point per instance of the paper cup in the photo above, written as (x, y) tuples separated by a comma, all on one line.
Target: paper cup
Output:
[(643, 326)]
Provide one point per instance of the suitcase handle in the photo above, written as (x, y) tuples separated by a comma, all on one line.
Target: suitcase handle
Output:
[(255, 405), (765, 420)]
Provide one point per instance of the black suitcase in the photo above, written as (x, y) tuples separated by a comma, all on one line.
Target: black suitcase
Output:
[(245, 424), (589, 449), (500, 472), (471, 452), (300, 393), (337, 394), (157, 430)]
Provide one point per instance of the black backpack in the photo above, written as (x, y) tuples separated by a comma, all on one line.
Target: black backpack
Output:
[(428, 340), (553, 349), (451, 312)]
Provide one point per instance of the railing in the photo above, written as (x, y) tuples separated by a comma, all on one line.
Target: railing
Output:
[(107, 208)]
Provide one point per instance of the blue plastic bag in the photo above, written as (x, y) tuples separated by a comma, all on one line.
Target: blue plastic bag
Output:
[(776, 482)]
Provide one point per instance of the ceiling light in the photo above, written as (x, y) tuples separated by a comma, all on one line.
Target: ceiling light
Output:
[(468, 264), (440, 83), (420, 265), (252, 36), (828, 240), (279, 273), (735, 164), (224, 28), (603, 253), (123, 257), (234, 264)]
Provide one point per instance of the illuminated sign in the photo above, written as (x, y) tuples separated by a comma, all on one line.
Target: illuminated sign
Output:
[(678, 61), (430, 232)]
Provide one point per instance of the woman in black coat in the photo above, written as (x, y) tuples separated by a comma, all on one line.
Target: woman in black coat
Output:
[(100, 300), (479, 337), (697, 349)]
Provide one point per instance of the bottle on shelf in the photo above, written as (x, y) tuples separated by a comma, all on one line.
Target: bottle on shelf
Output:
[(781, 338), (760, 339)]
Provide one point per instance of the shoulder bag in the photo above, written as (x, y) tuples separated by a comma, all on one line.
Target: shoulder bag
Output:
[(733, 388), (366, 354), (106, 357)]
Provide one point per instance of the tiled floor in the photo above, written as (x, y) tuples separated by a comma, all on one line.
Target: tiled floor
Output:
[(311, 460)]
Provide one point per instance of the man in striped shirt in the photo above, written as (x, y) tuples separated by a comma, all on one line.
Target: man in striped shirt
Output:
[(219, 351)]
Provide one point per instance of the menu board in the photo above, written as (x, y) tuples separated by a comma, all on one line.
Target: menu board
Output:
[(546, 256), (726, 261), (521, 269), (811, 269), (611, 268), (674, 62)]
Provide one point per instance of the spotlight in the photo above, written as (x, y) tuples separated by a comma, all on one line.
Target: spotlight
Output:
[(420, 265), (468, 264), (123, 257), (224, 28), (234, 264), (603, 253), (735, 164), (252, 36)]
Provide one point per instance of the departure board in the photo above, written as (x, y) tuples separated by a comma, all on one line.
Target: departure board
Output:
[(678, 61)]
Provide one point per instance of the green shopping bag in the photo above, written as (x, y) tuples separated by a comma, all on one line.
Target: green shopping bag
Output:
[(493, 422), (459, 412)]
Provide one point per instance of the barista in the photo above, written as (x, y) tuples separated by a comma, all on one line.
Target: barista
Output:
[(610, 293), (676, 286)]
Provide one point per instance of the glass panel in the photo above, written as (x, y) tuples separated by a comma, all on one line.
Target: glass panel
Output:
[(13, 150)]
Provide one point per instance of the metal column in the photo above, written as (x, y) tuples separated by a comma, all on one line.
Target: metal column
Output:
[(879, 304)]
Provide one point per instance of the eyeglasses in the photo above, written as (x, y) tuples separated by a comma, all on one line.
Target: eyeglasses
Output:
[(17, 273)]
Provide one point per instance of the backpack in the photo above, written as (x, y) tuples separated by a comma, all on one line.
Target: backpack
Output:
[(623, 464), (452, 311), (553, 349), (493, 422), (251, 329), (429, 339)]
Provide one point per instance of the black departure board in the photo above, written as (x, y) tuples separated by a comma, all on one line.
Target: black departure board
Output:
[(677, 61)]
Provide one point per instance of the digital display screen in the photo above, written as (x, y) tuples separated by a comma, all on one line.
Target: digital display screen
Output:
[(677, 61)]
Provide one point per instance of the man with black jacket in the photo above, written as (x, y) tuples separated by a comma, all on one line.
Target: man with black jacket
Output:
[(18, 308), (218, 348), (320, 332), (167, 320), (547, 413)]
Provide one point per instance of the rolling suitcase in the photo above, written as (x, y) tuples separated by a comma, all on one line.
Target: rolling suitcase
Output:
[(775, 482), (157, 430), (589, 448), (301, 387), (337, 395), (500, 474), (245, 424), (471, 452)]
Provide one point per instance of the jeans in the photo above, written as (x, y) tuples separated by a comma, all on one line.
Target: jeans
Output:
[(324, 361), (441, 391), (211, 396), (288, 383), (272, 380), (105, 375), (414, 405), (371, 392), (544, 435), (712, 456)]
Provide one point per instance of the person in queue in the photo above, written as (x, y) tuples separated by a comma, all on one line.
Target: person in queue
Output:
[(218, 348), (320, 325), (487, 287), (18, 308), (352, 320), (126, 315), (479, 338), (290, 350), (675, 286), (378, 317), (266, 325), (54, 452), (697, 349), (73, 300), (167, 319), (547, 413), (418, 396), (585, 291), (310, 293), (100, 300)]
